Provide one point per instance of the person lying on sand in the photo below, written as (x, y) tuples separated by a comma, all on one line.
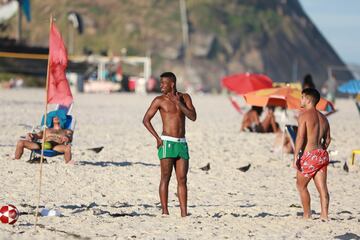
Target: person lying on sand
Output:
[(56, 138)]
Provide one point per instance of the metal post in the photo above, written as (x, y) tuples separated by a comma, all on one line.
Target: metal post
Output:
[(19, 30)]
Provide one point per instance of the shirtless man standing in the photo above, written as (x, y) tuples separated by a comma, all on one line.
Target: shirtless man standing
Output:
[(311, 157), (56, 138), (172, 147)]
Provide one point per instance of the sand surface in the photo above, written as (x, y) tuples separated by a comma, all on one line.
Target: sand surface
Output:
[(114, 194)]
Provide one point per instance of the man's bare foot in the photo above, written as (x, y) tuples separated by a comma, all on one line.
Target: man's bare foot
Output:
[(184, 214), (307, 216), (324, 218), (71, 162)]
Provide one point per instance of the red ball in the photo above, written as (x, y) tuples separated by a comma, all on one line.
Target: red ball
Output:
[(9, 214)]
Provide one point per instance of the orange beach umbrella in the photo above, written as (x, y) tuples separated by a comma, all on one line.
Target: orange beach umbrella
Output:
[(283, 97)]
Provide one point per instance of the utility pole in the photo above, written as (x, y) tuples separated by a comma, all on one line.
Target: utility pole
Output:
[(184, 24), (295, 71), (19, 30)]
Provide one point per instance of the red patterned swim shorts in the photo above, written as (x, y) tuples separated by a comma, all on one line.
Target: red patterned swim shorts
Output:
[(313, 161)]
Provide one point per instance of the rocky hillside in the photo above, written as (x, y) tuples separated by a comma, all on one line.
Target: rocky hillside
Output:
[(271, 36)]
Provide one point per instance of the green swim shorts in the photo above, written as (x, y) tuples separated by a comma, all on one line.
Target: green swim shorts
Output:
[(173, 148)]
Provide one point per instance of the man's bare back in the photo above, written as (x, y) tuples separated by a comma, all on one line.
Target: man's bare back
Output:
[(317, 130)]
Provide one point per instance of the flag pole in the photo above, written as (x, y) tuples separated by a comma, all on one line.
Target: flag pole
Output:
[(44, 130)]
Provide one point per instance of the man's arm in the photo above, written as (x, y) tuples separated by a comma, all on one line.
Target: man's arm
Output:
[(327, 137), (300, 139), (187, 107), (35, 136), (150, 113), (68, 136)]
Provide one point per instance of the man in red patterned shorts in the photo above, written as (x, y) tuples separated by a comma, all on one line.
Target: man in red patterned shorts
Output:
[(310, 156)]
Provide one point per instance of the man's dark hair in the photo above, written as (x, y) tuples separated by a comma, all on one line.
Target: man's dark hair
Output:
[(169, 75), (313, 94)]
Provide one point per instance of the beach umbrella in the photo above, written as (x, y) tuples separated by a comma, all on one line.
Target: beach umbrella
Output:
[(246, 82), (283, 97), (351, 87)]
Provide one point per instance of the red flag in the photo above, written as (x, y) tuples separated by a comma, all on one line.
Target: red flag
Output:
[(58, 86)]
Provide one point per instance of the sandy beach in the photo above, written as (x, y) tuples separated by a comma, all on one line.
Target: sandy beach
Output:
[(114, 194)]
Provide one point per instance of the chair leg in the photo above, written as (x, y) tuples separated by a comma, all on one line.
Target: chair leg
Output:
[(353, 159), (31, 155)]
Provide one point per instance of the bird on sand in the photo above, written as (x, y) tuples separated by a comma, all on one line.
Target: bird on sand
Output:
[(244, 168), (345, 167), (206, 168), (96, 149)]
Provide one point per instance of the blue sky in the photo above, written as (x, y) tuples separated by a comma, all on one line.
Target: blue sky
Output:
[(339, 22)]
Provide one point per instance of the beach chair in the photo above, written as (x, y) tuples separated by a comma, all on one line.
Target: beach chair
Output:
[(69, 124), (291, 131), (358, 106), (354, 152)]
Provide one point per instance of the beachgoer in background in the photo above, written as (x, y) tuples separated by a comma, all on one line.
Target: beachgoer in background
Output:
[(269, 123), (172, 147), (251, 121), (329, 88), (308, 82), (56, 138), (311, 157)]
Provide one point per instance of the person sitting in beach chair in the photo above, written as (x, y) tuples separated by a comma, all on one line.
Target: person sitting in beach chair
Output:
[(58, 137), (251, 121)]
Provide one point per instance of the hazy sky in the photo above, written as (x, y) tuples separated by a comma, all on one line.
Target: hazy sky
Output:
[(339, 22)]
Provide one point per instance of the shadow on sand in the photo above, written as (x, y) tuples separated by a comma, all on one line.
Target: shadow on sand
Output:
[(116, 164)]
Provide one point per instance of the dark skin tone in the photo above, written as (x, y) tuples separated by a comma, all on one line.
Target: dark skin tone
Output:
[(313, 133), (56, 134), (173, 107)]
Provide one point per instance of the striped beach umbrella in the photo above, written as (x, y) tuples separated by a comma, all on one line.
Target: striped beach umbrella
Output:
[(283, 97)]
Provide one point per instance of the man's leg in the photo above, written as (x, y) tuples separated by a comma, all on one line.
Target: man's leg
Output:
[(301, 184), (66, 149), (181, 169), (21, 144), (320, 183), (166, 169)]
